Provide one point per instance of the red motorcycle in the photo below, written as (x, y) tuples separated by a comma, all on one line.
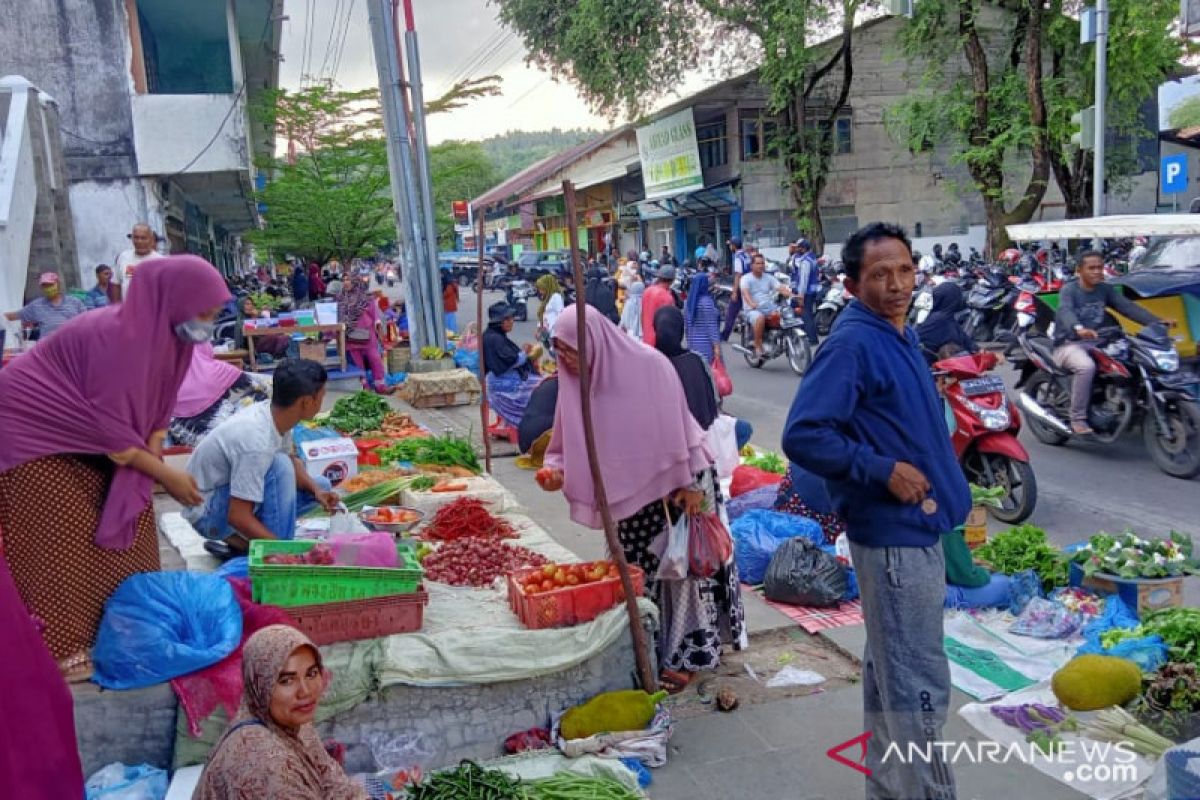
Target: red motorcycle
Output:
[(985, 433)]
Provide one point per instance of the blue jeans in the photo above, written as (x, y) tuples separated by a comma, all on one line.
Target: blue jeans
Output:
[(282, 503), (994, 594)]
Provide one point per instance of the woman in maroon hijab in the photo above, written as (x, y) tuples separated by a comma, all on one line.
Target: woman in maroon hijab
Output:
[(82, 418)]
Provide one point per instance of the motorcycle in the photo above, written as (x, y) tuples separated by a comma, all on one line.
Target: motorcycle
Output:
[(1137, 381), (832, 304), (990, 300), (985, 433), (519, 290), (784, 335)]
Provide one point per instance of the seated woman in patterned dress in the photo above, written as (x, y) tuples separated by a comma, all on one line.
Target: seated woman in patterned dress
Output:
[(655, 468), (211, 393), (511, 373)]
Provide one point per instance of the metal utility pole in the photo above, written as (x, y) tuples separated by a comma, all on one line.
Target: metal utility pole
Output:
[(411, 191), (1098, 175)]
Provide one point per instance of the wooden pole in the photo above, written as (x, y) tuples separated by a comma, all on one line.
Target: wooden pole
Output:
[(483, 398), (641, 648)]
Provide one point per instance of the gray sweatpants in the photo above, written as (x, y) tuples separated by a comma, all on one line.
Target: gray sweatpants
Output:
[(906, 678)]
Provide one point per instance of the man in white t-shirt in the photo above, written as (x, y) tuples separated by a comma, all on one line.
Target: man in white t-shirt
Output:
[(143, 239)]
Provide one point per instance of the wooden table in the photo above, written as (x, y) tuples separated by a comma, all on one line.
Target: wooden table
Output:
[(339, 329), (235, 357)]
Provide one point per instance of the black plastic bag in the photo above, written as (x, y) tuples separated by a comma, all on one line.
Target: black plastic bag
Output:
[(802, 574)]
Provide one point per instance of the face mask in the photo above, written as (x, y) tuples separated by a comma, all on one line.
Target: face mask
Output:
[(50, 292), (195, 331)]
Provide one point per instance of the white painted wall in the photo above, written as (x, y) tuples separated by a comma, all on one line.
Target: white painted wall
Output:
[(105, 212), (169, 130), (18, 180)]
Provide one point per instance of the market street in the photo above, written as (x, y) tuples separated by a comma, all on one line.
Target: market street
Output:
[(1081, 488)]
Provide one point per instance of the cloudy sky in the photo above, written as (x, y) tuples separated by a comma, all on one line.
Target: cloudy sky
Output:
[(457, 37)]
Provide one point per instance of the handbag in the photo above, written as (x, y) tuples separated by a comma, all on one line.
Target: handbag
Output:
[(722, 379)]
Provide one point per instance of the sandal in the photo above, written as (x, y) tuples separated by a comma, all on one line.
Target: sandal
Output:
[(77, 668), (673, 681)]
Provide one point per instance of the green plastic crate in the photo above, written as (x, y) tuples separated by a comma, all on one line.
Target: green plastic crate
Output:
[(288, 585)]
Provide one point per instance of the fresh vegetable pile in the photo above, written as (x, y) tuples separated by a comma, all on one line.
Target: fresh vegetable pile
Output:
[(431, 353), (400, 426), (1041, 724), (369, 478), (380, 493), (467, 781), (1021, 548), (1170, 704), (360, 412), (321, 555), (476, 562), (392, 515), (466, 518), (447, 451), (558, 576), (264, 302), (572, 786), (992, 496), (1130, 556), (1179, 628), (767, 462)]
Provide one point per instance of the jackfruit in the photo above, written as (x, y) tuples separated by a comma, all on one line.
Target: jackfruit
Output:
[(1090, 682), (627, 710)]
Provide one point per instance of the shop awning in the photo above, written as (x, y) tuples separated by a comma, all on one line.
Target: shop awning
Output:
[(716, 199), (1115, 227)]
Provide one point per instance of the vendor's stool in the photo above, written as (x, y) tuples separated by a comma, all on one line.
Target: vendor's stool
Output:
[(500, 429)]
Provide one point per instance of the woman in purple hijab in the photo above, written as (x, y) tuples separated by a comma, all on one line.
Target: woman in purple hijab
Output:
[(82, 418)]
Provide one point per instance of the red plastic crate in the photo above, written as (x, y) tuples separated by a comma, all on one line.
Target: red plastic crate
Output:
[(371, 618), (571, 605)]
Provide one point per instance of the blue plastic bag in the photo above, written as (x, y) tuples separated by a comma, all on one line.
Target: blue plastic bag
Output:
[(763, 497), (467, 359), (234, 568), (1148, 652), (758, 533), (120, 782), (160, 625)]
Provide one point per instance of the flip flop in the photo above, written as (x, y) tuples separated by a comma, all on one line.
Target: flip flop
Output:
[(674, 682)]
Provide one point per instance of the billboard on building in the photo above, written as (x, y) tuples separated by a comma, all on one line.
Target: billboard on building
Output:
[(1179, 107), (670, 156), (462, 215)]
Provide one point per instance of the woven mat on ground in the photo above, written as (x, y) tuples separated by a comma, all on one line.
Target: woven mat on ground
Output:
[(987, 662), (425, 384), (813, 620), (1122, 773)]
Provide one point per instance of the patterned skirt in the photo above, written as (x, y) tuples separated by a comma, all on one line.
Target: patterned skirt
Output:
[(49, 510), (250, 388), (697, 615), (508, 394)]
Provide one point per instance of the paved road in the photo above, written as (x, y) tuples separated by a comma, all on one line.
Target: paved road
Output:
[(1082, 489)]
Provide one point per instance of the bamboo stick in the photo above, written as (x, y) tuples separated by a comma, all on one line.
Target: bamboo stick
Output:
[(483, 398), (641, 648)]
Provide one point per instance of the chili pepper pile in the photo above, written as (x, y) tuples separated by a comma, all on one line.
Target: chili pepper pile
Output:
[(476, 562), (466, 518)]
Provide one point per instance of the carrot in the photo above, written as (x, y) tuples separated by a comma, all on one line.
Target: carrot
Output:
[(449, 487)]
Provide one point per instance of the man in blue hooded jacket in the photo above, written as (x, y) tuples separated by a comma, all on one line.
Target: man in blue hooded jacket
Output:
[(868, 419)]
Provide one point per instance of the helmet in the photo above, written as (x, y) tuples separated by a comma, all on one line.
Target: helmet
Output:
[(645, 257), (700, 253), (1010, 256), (736, 242), (803, 243)]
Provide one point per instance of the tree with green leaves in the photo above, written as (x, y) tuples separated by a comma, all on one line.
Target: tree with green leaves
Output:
[(329, 196), (1004, 108), (623, 55), (459, 171)]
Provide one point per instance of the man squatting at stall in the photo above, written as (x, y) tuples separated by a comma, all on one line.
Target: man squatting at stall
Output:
[(253, 485)]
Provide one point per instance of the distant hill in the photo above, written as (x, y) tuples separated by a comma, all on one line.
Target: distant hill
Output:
[(514, 151)]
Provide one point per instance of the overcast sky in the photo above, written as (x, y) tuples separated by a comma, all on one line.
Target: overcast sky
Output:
[(452, 33)]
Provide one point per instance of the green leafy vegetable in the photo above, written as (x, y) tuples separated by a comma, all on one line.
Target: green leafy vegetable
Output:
[(993, 496), (1170, 703), (1130, 556), (768, 462), (1025, 547), (361, 411), (1179, 628), (447, 451)]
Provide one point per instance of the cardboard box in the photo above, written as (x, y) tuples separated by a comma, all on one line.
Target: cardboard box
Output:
[(335, 459), (314, 351), (975, 529), (1140, 594)]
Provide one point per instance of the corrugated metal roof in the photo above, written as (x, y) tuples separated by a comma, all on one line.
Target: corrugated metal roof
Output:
[(536, 173)]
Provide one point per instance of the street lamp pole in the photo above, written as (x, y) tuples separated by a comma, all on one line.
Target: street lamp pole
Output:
[(1098, 175)]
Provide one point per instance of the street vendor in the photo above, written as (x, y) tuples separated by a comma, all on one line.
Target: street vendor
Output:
[(271, 749), (511, 375), (211, 393), (252, 484), (969, 585), (75, 488), (50, 311), (654, 463)]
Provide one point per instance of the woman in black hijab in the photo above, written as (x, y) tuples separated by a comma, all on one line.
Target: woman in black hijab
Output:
[(941, 328), (511, 376), (694, 374)]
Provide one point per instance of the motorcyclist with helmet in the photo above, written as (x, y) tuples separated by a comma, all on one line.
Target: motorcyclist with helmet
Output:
[(806, 285)]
